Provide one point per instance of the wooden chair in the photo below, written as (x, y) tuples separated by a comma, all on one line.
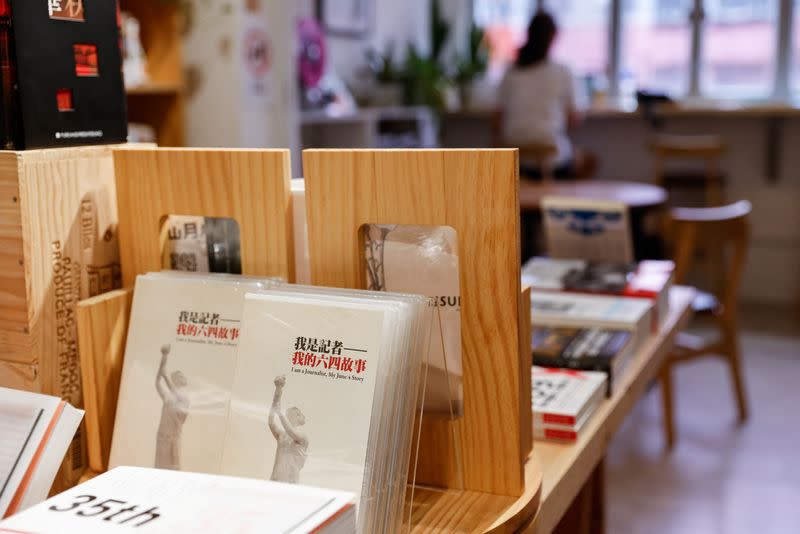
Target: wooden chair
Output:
[(542, 155), (706, 148), (726, 226)]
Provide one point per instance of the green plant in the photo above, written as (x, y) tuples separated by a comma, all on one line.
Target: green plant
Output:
[(382, 65), (440, 31), (477, 59), (423, 77), (423, 80)]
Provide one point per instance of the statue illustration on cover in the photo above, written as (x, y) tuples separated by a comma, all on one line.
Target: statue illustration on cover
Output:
[(174, 411), (292, 450)]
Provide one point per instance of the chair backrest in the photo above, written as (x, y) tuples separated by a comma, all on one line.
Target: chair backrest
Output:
[(708, 148), (542, 154), (596, 230), (713, 228)]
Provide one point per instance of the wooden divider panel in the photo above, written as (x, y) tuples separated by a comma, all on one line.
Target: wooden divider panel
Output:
[(476, 193), (249, 186)]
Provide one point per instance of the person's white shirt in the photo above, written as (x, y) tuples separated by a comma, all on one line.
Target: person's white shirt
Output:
[(536, 102)]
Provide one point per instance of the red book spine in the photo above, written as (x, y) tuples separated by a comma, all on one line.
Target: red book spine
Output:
[(566, 435), (557, 419)]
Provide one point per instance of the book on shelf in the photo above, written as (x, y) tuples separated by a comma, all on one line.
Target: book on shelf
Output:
[(632, 314), (255, 378), (589, 228), (60, 75), (584, 349), (564, 400), (423, 260), (160, 501), (180, 358), (35, 432), (325, 394), (649, 279)]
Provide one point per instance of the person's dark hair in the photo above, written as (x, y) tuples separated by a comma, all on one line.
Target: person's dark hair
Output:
[(541, 32)]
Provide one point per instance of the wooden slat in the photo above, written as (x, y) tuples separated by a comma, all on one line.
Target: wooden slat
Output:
[(19, 376), (526, 360), (13, 296), (249, 186), (102, 332), (476, 193)]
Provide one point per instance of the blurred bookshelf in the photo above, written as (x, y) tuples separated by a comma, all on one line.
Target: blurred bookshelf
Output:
[(159, 103)]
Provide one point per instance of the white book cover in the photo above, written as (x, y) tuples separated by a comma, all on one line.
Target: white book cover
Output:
[(550, 308), (562, 396), (157, 501), (35, 432), (423, 260), (547, 273), (303, 391), (180, 359), (592, 229)]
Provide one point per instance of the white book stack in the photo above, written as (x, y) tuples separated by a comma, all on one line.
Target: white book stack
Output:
[(564, 400), (35, 431), (157, 501), (550, 308), (250, 377)]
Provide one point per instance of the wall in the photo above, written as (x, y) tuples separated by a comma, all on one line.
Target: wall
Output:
[(233, 99), (400, 23)]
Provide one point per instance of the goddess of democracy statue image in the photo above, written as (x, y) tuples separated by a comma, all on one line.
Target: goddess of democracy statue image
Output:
[(174, 411), (292, 450)]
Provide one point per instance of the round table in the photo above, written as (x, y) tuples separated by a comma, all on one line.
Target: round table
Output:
[(635, 195), (639, 197)]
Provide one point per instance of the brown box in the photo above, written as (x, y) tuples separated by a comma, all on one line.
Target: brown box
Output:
[(58, 245)]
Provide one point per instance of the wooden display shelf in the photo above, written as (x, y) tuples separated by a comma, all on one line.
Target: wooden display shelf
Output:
[(103, 320), (567, 467), (437, 510), (160, 102)]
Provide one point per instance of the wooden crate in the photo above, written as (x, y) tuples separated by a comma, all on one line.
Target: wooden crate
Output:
[(58, 244)]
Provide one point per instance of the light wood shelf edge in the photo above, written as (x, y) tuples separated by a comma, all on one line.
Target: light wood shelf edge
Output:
[(439, 510)]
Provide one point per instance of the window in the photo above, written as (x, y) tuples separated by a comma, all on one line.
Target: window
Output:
[(795, 52), (656, 47), (583, 39), (505, 23), (738, 48), (663, 45)]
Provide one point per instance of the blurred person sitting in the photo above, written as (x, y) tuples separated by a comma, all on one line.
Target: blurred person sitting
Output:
[(540, 100)]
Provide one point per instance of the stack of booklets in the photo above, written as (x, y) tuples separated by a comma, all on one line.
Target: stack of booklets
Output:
[(649, 279), (254, 378), (564, 400), (35, 431), (157, 501), (586, 349), (634, 315)]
